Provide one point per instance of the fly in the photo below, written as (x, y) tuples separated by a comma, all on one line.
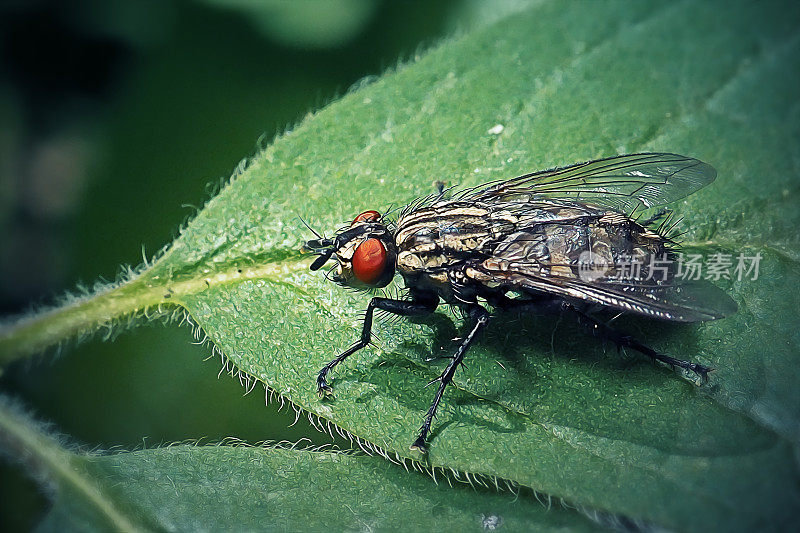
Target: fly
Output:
[(556, 240)]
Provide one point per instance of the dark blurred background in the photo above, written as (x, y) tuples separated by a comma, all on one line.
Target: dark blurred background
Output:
[(114, 118)]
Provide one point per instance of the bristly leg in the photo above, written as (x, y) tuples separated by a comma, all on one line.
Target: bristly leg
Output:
[(547, 304), (421, 303), (480, 318), (626, 341)]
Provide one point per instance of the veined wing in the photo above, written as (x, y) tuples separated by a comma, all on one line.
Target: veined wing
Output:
[(678, 300), (624, 182)]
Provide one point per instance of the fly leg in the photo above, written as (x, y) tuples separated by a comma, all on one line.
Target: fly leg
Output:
[(623, 340), (480, 318), (598, 327), (421, 303)]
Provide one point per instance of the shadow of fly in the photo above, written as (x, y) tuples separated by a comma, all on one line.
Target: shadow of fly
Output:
[(561, 240)]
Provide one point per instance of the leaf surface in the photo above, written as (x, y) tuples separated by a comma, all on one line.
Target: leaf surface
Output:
[(215, 488), (540, 403), (268, 488)]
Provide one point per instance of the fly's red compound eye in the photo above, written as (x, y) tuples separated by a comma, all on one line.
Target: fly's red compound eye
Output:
[(367, 216), (369, 260)]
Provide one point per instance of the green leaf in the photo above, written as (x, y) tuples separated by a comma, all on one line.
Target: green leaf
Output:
[(218, 488), (539, 403), (269, 488)]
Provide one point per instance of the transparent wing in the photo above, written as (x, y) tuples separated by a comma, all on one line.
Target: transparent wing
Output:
[(624, 182), (679, 300)]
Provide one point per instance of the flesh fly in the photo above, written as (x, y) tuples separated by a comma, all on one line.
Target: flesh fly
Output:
[(557, 240)]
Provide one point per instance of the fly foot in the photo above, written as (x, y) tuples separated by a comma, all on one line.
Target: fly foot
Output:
[(702, 371), (420, 445), (323, 389)]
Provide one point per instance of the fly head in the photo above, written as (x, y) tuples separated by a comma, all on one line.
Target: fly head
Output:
[(365, 253)]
